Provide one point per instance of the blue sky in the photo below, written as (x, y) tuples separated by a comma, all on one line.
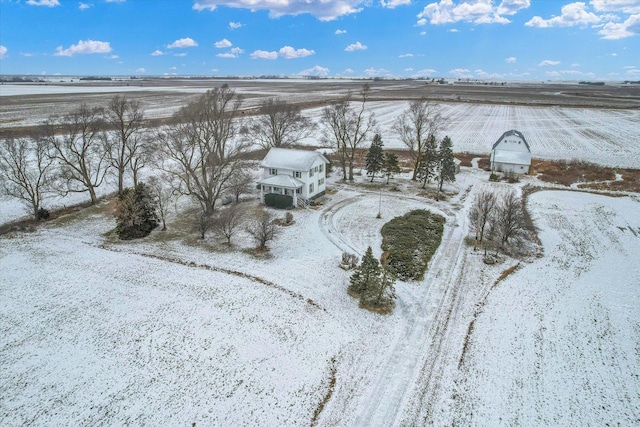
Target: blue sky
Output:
[(501, 39)]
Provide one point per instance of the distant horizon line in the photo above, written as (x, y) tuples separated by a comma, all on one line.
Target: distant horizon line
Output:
[(447, 79)]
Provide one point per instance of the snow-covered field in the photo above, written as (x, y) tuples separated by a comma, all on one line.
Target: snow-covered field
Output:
[(557, 342), (165, 332), (608, 137), (170, 332)]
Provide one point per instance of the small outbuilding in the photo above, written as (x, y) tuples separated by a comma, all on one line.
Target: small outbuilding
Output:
[(511, 153), (296, 175)]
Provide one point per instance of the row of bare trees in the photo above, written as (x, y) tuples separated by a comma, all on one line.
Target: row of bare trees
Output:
[(199, 153), (73, 153)]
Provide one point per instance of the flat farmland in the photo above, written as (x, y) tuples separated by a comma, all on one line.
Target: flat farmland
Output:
[(600, 124)]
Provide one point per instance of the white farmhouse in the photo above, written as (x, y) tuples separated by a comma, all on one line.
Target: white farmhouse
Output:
[(300, 174), (511, 153)]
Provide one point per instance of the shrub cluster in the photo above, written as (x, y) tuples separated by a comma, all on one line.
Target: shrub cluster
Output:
[(373, 284), (410, 241), (280, 201)]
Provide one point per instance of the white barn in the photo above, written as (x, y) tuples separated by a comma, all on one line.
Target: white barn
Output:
[(300, 174), (511, 153)]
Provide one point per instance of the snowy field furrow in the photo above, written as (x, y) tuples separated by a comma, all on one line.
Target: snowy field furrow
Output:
[(556, 343)]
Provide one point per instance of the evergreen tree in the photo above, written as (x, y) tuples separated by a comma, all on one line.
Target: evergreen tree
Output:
[(428, 161), (366, 275), (390, 166), (136, 212), (382, 293), (375, 157), (446, 163)]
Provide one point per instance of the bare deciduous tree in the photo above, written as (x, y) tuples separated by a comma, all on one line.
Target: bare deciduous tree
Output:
[(480, 214), (262, 227), (229, 220), (240, 182), (81, 149), (346, 128), (200, 152), (26, 171), (280, 124), (164, 194), (509, 220), (125, 119), (420, 121)]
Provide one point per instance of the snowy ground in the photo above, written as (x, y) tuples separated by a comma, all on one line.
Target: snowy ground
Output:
[(165, 332)]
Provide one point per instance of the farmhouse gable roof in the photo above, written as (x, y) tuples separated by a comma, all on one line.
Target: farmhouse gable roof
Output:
[(289, 158)]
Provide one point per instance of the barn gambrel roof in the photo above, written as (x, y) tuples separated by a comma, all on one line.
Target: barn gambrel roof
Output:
[(511, 133)]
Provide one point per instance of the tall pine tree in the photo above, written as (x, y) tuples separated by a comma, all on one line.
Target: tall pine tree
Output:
[(375, 157), (390, 166), (446, 163), (428, 161), (366, 275)]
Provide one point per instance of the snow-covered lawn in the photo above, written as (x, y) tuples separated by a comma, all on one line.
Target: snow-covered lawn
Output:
[(165, 331)]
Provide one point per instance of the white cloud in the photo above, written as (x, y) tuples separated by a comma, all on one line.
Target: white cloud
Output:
[(25, 54), (115, 1), (234, 25), (348, 71), (84, 6), (474, 11), (3, 52), (355, 46), (113, 57), (423, 33), (406, 55), (511, 60), (392, 4), (377, 72), (454, 30), (408, 69), (628, 28), (182, 43), (173, 68), (287, 52), (569, 73), (461, 73), (633, 72), (223, 44), (338, 32), (233, 53), (548, 62), (575, 64), (84, 47), (323, 10), (625, 6), (315, 71), (427, 72), (263, 54), (157, 53), (47, 3), (180, 55), (141, 70), (571, 14)]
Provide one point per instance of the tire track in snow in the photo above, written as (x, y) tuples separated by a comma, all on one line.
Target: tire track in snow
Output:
[(426, 316)]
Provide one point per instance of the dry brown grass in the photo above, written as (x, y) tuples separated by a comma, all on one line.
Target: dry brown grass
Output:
[(466, 157), (630, 182), (570, 172)]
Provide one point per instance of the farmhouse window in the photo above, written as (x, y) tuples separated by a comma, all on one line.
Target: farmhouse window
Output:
[(310, 188), (297, 174), (273, 171), (298, 190), (311, 172), (320, 168), (320, 182)]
